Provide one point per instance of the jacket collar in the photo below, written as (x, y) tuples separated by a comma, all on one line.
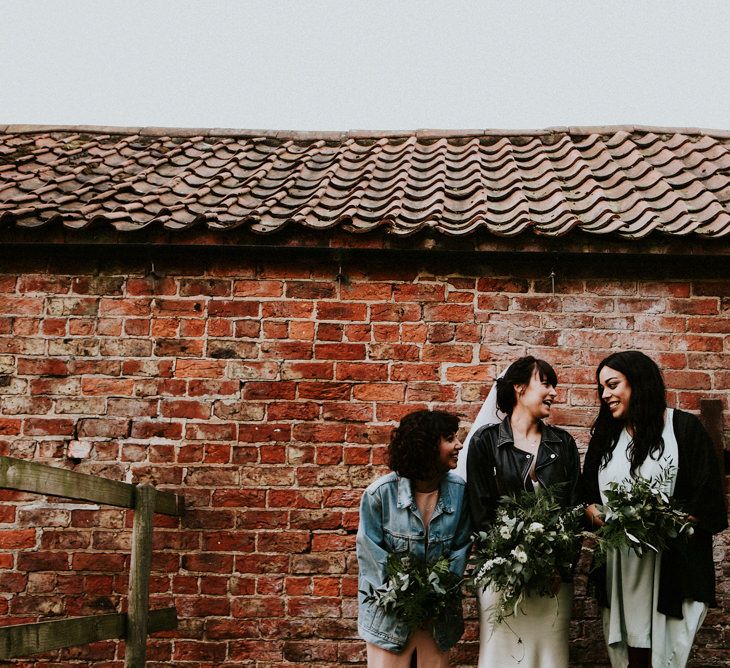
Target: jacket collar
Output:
[(405, 494), (548, 434)]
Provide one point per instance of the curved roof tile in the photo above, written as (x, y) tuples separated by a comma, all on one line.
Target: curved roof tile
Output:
[(622, 181)]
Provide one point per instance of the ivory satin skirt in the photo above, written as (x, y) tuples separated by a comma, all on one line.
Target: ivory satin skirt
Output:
[(535, 637)]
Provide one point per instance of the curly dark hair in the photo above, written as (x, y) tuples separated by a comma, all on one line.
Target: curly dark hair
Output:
[(413, 451), (520, 373), (645, 414)]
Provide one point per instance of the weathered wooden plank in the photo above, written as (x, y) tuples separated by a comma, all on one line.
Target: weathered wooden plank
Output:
[(711, 416), (25, 476), (23, 640), (144, 508)]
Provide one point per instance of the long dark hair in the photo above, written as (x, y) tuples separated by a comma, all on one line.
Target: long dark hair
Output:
[(520, 373), (413, 451), (645, 414)]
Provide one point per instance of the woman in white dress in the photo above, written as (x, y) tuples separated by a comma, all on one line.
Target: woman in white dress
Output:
[(652, 606), (521, 452)]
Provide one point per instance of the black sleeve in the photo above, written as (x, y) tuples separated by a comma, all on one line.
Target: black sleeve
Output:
[(573, 472), (588, 490), (480, 482), (701, 489)]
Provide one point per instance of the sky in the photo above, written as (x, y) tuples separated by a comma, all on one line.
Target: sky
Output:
[(339, 65)]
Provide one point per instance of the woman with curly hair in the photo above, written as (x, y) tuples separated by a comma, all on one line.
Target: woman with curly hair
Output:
[(417, 509), (522, 453), (652, 605)]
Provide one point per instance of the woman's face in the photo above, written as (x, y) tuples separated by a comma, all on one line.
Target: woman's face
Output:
[(615, 392), (537, 396), (449, 448)]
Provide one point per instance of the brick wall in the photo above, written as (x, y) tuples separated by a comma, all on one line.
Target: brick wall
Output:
[(263, 387)]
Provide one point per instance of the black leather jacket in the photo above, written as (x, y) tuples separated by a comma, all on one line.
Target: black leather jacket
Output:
[(495, 468)]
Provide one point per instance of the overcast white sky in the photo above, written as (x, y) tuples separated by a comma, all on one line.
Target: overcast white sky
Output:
[(338, 65)]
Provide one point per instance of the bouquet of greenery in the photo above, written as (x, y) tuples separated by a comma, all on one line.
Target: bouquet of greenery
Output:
[(417, 592), (640, 515), (528, 549)]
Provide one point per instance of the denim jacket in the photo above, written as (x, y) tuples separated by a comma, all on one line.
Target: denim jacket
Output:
[(390, 522)]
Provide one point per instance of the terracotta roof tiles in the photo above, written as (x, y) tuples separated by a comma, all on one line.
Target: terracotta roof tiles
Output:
[(624, 181)]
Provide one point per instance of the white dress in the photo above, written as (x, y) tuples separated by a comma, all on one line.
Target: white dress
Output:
[(632, 582), (536, 639)]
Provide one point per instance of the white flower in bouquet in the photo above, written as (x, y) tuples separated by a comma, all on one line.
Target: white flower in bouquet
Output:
[(528, 550), (640, 515)]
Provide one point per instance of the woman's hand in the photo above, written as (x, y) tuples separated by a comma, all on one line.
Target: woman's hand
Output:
[(594, 515)]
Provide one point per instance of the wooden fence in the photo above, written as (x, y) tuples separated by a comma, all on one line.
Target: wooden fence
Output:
[(24, 639)]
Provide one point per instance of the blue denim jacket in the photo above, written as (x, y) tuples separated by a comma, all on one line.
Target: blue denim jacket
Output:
[(390, 522)]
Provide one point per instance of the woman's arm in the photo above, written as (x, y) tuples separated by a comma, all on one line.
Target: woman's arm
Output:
[(462, 540), (703, 497), (370, 544), (480, 485), (588, 491)]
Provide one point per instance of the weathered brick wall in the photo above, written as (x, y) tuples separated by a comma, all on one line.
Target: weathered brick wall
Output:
[(263, 387)]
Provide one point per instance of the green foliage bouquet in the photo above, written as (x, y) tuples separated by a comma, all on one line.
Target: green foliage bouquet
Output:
[(640, 515), (528, 549), (416, 592)]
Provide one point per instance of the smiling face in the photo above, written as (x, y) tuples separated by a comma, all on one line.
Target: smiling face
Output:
[(615, 392), (537, 396), (449, 448)]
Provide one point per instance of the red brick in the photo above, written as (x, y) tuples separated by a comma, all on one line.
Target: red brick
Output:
[(696, 306), (9, 427), (283, 541), (202, 606), (103, 427), (371, 292), (48, 427), (310, 370), (213, 432), (208, 562), (386, 332), (156, 429), (339, 351), (287, 309), (98, 562), (262, 563), (448, 353), (43, 561), (341, 311), (227, 541), (17, 539), (394, 352), (185, 409), (179, 348), (41, 367), (259, 606), (379, 392), (395, 312), (288, 350), (20, 306), (258, 288), (301, 331), (409, 372), (151, 285)]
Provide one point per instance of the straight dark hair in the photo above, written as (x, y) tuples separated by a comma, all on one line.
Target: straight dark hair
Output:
[(645, 414), (519, 373)]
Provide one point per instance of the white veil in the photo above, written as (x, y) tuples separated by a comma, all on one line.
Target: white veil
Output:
[(487, 415)]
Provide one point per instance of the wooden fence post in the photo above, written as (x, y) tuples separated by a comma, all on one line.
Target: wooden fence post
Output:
[(711, 416), (138, 600)]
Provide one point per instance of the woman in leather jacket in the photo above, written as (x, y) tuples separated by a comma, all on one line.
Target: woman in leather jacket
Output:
[(419, 509), (523, 453)]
